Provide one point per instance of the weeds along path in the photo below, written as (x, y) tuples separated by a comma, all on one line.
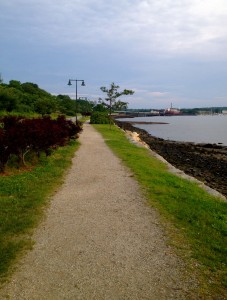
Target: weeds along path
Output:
[(99, 240)]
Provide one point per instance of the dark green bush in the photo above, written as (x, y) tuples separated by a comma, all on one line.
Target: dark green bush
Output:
[(98, 117)]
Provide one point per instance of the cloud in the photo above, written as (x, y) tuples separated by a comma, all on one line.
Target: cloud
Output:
[(158, 94), (162, 49), (163, 26)]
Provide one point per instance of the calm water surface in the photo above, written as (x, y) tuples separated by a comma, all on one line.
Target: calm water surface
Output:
[(198, 129)]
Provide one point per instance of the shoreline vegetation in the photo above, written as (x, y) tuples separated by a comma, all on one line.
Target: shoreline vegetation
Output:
[(140, 122), (194, 220)]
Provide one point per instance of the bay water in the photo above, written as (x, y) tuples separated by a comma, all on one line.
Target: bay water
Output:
[(198, 129)]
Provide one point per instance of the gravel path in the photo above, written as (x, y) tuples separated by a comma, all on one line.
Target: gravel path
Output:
[(100, 239)]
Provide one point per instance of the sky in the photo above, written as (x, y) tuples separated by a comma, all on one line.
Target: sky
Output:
[(167, 51)]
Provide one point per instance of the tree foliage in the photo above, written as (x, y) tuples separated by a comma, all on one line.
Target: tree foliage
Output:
[(100, 107), (84, 107), (112, 97), (23, 97), (28, 97), (98, 117), (45, 106)]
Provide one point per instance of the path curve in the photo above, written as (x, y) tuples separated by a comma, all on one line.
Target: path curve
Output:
[(100, 240)]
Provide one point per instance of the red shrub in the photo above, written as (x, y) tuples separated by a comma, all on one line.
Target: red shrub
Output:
[(18, 136)]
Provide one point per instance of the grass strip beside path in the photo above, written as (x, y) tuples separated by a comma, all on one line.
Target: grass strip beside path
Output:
[(196, 220), (22, 199)]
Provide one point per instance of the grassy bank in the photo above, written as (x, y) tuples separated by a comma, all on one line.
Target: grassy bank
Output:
[(195, 220), (22, 199)]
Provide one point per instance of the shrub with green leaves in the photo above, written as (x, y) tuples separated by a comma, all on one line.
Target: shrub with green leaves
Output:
[(98, 117)]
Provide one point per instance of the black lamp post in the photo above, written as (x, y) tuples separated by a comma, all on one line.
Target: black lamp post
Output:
[(82, 84)]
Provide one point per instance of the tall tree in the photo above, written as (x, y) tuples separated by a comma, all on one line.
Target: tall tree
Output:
[(112, 95)]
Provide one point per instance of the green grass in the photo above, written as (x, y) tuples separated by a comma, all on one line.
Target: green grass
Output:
[(20, 114), (84, 119), (23, 197), (196, 220)]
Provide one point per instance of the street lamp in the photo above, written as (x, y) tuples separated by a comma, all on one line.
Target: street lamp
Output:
[(82, 84)]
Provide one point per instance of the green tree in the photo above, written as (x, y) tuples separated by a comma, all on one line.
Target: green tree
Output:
[(120, 105), (9, 98), (29, 87), (84, 106), (100, 107), (15, 84), (112, 96), (66, 105), (45, 106)]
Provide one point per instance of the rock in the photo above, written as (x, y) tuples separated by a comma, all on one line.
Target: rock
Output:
[(204, 161)]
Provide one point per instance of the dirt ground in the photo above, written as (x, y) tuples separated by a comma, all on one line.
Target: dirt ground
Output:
[(100, 239)]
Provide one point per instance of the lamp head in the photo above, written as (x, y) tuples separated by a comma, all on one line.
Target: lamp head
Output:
[(83, 84), (69, 83)]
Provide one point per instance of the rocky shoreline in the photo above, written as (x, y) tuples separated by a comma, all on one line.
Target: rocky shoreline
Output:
[(206, 162)]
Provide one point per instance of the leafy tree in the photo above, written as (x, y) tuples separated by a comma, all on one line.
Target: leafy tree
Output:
[(84, 107), (26, 97), (100, 107), (120, 105), (15, 84), (8, 99), (113, 94), (45, 106), (66, 105), (33, 89), (29, 87)]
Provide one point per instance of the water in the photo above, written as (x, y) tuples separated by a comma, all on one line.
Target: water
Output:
[(197, 129)]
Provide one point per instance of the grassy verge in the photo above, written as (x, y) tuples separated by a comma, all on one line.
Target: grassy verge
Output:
[(196, 220), (22, 199), (18, 114), (84, 119)]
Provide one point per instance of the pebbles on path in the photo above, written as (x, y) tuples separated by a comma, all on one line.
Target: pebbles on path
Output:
[(100, 240)]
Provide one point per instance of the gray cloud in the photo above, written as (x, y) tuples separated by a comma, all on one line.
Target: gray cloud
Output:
[(161, 48), (169, 27)]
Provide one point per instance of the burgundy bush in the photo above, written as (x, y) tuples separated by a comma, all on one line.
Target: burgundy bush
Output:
[(19, 135)]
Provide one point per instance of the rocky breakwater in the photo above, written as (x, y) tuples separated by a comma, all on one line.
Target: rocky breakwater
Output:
[(206, 162)]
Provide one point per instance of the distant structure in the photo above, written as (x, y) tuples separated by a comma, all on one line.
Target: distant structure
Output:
[(1, 79), (132, 114), (149, 113), (172, 111)]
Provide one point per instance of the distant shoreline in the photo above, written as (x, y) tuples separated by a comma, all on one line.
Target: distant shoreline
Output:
[(146, 123), (194, 129), (206, 162)]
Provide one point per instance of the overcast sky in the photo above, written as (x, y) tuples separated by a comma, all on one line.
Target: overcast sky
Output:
[(167, 51)]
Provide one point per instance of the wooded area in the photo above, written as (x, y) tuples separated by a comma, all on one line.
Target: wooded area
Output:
[(29, 98)]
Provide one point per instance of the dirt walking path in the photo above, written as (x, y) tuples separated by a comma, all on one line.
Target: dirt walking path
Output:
[(100, 240)]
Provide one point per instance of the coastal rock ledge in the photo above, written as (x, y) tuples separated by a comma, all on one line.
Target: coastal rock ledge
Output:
[(206, 162)]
